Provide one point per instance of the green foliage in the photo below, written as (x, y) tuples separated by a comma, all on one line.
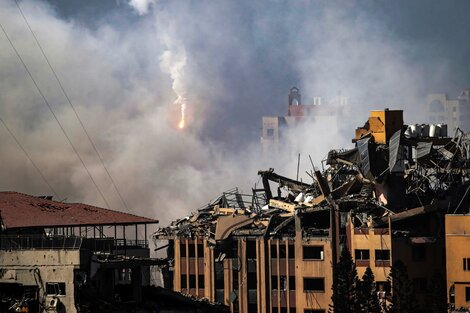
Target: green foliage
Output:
[(345, 293), (403, 296), (368, 293)]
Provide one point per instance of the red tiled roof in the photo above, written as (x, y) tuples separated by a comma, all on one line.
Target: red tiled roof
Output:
[(19, 210)]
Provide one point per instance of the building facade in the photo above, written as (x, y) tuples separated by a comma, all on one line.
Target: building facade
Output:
[(453, 112)]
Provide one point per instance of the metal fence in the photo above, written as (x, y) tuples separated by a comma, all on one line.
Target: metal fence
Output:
[(28, 242)]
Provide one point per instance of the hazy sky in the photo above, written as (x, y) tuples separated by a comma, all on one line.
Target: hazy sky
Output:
[(233, 61)]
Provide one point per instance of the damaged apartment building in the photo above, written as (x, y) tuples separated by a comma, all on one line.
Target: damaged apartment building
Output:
[(400, 194), (69, 257)]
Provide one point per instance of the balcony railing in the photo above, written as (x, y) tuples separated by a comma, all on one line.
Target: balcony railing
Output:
[(39, 242)]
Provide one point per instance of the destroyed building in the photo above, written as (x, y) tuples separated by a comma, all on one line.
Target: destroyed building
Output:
[(400, 194), (59, 257)]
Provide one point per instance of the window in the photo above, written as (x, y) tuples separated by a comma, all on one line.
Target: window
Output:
[(283, 280), (314, 311), (312, 252), (274, 283), (191, 250), (382, 255), (270, 132), (183, 282), (467, 294), (273, 251), (361, 254), (183, 250), (251, 249), (200, 250), (291, 282), (55, 289), (192, 281), (466, 264), (200, 281), (418, 253), (282, 250), (314, 284), (291, 251)]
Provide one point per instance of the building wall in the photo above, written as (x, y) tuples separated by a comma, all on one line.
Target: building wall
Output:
[(457, 259), (453, 112), (265, 275), (39, 267), (371, 239)]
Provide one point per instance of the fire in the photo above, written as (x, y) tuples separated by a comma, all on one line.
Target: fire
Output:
[(182, 102)]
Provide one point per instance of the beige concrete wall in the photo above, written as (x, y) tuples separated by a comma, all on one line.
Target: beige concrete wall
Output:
[(457, 248), (50, 265)]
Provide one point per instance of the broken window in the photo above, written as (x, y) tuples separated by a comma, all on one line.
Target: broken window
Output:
[(418, 253), (362, 254), (466, 264), (282, 250), (56, 289), (314, 284), (382, 255), (283, 280), (312, 252)]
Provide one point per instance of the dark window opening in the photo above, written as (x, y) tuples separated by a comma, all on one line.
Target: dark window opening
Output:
[(314, 311), (467, 294), (192, 281), (219, 275), (291, 282), (251, 281), (200, 281), (291, 251), (200, 250), (251, 249), (55, 289), (361, 254), (183, 250), (183, 282), (274, 283), (466, 264), (314, 284), (382, 255), (191, 250), (282, 250), (273, 251), (418, 253), (312, 252), (270, 132), (234, 280)]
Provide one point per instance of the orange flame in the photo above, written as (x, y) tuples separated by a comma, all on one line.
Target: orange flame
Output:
[(181, 124)]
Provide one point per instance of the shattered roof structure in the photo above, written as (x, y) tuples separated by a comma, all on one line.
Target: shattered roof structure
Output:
[(19, 210), (395, 172)]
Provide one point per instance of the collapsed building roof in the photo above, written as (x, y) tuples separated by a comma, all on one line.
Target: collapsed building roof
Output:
[(19, 210), (395, 172)]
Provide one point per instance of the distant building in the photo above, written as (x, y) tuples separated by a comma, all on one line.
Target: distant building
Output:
[(273, 127), (453, 112)]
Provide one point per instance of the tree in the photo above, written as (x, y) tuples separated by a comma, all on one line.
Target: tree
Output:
[(368, 293), (345, 293), (403, 297), (437, 294)]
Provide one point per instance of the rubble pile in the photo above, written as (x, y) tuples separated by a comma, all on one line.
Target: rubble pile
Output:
[(394, 171)]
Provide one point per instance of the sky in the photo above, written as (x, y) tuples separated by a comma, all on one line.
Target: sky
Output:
[(129, 66)]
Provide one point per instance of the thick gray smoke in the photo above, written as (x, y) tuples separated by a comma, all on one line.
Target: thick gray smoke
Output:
[(231, 62)]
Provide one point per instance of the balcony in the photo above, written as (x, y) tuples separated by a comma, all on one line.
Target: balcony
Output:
[(39, 242)]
